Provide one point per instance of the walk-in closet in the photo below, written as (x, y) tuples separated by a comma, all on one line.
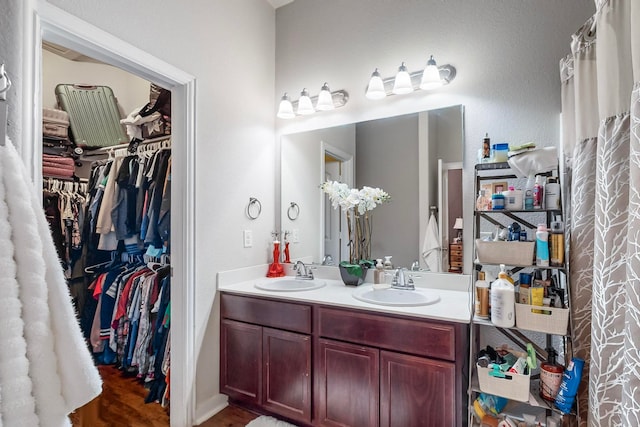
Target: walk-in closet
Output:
[(106, 177)]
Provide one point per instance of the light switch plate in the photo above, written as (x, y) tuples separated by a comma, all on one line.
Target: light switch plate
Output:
[(247, 237)]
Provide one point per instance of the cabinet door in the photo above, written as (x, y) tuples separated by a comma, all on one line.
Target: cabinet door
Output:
[(416, 391), (347, 384), (287, 374), (241, 361)]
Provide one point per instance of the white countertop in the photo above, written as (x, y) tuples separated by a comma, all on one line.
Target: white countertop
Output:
[(453, 289)]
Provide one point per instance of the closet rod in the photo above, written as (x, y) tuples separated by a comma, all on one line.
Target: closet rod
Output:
[(5, 84)]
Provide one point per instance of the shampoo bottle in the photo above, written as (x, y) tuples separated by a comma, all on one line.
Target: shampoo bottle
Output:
[(503, 301), (542, 246)]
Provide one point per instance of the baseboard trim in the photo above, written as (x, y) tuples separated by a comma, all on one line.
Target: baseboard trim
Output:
[(210, 407)]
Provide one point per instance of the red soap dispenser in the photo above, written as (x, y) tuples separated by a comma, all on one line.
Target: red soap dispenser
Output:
[(287, 260), (276, 269)]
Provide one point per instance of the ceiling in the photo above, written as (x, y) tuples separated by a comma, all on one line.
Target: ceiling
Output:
[(279, 3)]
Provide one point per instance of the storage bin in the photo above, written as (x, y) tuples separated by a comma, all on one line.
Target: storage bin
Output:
[(508, 253), (512, 386), (550, 320)]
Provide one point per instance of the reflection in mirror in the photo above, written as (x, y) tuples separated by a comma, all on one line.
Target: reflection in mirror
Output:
[(416, 158)]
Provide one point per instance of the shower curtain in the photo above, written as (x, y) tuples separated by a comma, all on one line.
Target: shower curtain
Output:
[(601, 145)]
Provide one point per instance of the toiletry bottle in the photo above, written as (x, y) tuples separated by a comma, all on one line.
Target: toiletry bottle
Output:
[(481, 201), (538, 193), (378, 275), (569, 385), (542, 246), (486, 149), (482, 296), (387, 262), (550, 376), (528, 193), (497, 201), (552, 194), (556, 243), (503, 301)]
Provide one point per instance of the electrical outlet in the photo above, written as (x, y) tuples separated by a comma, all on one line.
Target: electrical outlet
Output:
[(295, 235), (247, 237)]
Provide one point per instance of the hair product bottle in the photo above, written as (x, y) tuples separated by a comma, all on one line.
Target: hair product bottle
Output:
[(538, 193), (557, 243)]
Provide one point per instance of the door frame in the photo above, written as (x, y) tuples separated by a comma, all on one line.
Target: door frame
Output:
[(44, 21)]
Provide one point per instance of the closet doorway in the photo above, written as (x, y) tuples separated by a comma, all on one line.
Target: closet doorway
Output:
[(53, 25)]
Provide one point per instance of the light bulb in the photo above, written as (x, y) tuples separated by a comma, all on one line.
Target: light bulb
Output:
[(431, 76), (305, 106), (402, 82), (325, 100), (285, 111), (375, 89)]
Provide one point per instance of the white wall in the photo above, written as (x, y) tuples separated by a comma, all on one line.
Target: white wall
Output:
[(506, 54)]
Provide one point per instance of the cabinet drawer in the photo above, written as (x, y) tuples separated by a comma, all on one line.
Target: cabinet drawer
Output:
[(456, 253), (420, 337), (274, 314), (456, 263)]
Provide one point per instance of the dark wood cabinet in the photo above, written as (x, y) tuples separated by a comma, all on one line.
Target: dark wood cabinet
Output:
[(347, 384), (416, 391), (287, 373), (264, 367), (241, 361), (368, 369), (456, 256)]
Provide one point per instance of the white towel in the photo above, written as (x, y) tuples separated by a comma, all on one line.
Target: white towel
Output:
[(534, 162), (60, 369), (431, 247)]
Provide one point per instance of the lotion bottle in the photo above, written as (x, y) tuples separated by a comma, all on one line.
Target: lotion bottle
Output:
[(503, 301)]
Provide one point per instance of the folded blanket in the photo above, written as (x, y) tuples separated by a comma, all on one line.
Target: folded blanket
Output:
[(68, 161), (52, 171), (58, 165)]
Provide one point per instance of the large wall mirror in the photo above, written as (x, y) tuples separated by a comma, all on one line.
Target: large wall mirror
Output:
[(416, 158)]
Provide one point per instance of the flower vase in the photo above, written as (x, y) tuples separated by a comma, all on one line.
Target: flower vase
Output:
[(353, 275), (276, 269)]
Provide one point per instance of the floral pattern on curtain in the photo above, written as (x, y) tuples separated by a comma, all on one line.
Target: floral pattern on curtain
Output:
[(603, 92)]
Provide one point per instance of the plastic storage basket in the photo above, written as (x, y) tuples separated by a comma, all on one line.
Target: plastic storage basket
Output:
[(512, 386), (509, 253), (549, 320)]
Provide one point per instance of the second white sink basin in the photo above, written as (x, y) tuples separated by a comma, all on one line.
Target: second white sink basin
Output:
[(396, 297), (289, 284)]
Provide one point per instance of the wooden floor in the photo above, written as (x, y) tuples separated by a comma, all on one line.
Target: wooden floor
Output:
[(121, 404)]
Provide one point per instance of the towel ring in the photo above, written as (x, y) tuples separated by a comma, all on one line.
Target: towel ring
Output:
[(252, 206), (294, 211)]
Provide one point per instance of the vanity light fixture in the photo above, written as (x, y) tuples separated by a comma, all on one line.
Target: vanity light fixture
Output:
[(402, 82), (305, 107), (432, 77), (285, 111), (375, 89), (325, 101)]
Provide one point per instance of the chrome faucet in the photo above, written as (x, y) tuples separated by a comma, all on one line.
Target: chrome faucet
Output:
[(303, 272), (327, 260), (399, 281)]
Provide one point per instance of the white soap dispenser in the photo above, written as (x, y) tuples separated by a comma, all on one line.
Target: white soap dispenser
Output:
[(379, 278)]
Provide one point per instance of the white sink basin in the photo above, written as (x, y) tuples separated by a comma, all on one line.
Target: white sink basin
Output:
[(289, 284), (396, 297)]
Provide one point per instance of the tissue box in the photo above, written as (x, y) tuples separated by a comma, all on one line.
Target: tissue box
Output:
[(509, 253)]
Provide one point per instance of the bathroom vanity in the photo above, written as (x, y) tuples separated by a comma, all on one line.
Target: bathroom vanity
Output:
[(324, 358)]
